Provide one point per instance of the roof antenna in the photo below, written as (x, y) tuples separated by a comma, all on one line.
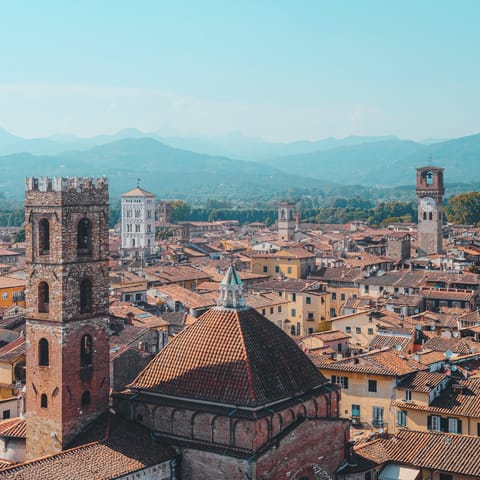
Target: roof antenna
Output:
[(430, 158), (138, 180)]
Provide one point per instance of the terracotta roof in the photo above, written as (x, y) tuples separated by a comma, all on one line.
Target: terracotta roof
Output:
[(13, 428), (13, 350), (431, 450), (423, 381), (231, 356), (380, 362), (289, 285), (138, 192), (464, 401), (387, 341), (456, 345)]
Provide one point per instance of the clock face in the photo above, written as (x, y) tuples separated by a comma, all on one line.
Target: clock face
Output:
[(427, 204)]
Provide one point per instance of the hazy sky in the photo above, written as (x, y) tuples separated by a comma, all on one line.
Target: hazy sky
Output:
[(281, 70)]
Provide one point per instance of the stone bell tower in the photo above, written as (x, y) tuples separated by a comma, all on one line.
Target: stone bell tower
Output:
[(66, 226), (286, 220), (430, 192)]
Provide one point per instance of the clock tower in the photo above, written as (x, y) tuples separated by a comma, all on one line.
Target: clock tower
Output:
[(430, 192)]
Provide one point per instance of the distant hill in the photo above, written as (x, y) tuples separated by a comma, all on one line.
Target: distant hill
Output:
[(163, 170), (388, 163)]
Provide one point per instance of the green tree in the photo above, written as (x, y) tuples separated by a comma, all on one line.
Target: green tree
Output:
[(180, 211), (464, 209), (20, 236)]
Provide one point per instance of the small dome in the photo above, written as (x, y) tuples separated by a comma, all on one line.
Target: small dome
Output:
[(233, 356)]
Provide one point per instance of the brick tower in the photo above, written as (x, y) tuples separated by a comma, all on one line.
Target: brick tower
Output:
[(430, 192), (66, 224)]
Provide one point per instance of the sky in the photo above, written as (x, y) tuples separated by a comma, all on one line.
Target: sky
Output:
[(275, 69)]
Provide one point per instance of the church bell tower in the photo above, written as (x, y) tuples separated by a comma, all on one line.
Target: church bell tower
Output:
[(66, 226), (430, 191), (286, 220)]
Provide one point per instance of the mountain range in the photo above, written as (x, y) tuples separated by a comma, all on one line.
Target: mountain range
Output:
[(235, 166)]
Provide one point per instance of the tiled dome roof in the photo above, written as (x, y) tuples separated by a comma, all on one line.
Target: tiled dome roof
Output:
[(232, 356)]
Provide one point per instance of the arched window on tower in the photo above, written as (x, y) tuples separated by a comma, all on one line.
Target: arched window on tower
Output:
[(86, 398), (430, 215), (43, 353), (44, 236), (43, 401), (84, 236), (86, 351), (86, 296), (429, 178), (424, 215), (43, 297)]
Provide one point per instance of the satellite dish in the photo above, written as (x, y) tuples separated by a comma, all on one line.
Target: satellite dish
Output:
[(448, 354)]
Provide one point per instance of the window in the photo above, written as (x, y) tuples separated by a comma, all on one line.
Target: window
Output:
[(265, 269), (333, 313), (271, 310), (445, 476), (43, 297), (372, 386), (86, 296), (44, 236), (84, 235), (308, 300), (277, 269), (293, 312), (279, 309), (310, 316), (377, 418), (138, 296), (310, 331), (355, 411), (133, 242), (289, 269), (334, 296), (430, 215), (366, 288), (342, 296), (402, 418), (43, 401), (292, 330), (368, 475), (263, 311), (343, 381), (408, 395), (299, 329), (294, 297), (86, 351), (370, 331), (4, 295), (358, 330), (454, 425), (86, 398), (129, 228), (348, 329), (6, 414), (43, 353), (149, 214), (149, 228), (434, 423), (137, 228)]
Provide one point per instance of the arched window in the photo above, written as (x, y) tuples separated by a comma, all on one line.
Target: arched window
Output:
[(84, 236), (429, 178), (43, 297), (86, 351), (424, 215), (44, 236), (430, 215), (43, 353), (133, 242), (86, 398), (43, 401), (86, 296)]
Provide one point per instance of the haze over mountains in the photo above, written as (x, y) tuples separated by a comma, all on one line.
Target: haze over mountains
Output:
[(221, 165)]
